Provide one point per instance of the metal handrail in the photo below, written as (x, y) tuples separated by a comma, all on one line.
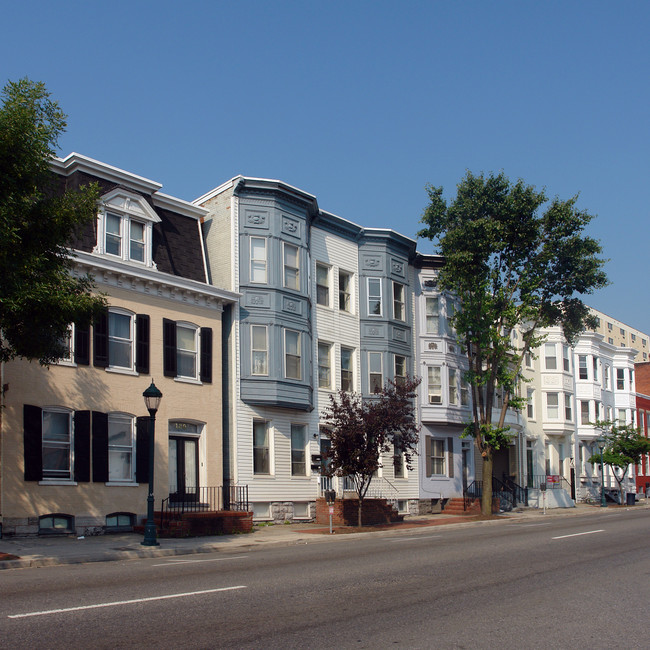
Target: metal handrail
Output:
[(205, 499)]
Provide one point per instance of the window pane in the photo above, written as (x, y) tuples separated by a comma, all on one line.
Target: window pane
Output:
[(137, 242), (433, 320), (56, 426), (113, 238), (344, 291), (291, 276), (119, 325), (298, 455), (258, 260)]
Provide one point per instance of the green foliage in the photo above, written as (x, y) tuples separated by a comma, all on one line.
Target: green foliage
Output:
[(39, 297), (624, 446), (515, 267)]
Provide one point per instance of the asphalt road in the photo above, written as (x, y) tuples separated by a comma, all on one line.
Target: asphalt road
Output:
[(574, 582)]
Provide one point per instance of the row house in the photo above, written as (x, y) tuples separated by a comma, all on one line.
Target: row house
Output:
[(325, 305), (642, 375), (74, 436), (570, 390)]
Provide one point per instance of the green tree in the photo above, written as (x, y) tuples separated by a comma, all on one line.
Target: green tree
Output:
[(361, 431), (514, 264), (624, 447), (39, 297)]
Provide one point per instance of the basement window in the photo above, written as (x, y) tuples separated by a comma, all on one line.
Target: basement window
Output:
[(119, 522), (56, 524)]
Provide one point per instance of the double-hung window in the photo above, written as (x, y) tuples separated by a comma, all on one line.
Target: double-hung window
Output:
[(125, 227), (453, 386), (347, 374), (433, 315), (530, 406), (400, 370), (322, 285), (568, 412), (291, 277), (121, 464), (374, 297), (435, 456), (434, 385), (258, 260), (298, 450), (399, 307), (324, 366), (186, 351), (375, 372), (566, 364), (582, 366), (120, 339), (259, 350), (57, 444), (584, 412), (261, 451), (620, 378), (552, 406), (550, 356), (292, 365), (345, 291)]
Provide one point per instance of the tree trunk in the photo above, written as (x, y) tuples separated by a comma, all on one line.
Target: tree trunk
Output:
[(486, 499), (360, 510)]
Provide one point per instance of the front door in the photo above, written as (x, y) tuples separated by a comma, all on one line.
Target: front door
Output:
[(183, 469)]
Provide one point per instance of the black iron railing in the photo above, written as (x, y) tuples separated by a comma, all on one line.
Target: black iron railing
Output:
[(520, 493), (508, 493), (205, 499)]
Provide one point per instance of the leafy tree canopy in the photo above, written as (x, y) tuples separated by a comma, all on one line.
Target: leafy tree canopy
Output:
[(362, 430), (39, 297), (517, 262), (624, 447)]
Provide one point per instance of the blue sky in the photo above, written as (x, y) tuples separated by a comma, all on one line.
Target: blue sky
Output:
[(363, 103)]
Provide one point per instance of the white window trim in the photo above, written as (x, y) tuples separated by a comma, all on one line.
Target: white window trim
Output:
[(69, 360), (265, 350), (131, 418), (285, 267), (381, 298), (351, 370), (328, 286), (60, 480), (381, 364), (299, 378), (251, 260), (125, 370), (197, 351), (270, 438), (401, 302), (349, 293), (129, 207), (330, 348)]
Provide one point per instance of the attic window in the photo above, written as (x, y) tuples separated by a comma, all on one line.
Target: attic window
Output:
[(125, 227)]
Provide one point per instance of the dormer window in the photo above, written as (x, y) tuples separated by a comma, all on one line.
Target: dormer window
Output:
[(125, 227)]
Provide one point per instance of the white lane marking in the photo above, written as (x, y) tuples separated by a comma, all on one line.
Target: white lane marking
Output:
[(531, 525), (218, 559), (408, 539), (124, 602), (589, 532)]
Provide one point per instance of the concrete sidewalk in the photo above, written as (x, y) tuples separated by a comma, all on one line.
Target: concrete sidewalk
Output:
[(24, 552)]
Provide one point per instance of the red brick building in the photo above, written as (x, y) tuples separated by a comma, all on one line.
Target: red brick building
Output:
[(642, 371)]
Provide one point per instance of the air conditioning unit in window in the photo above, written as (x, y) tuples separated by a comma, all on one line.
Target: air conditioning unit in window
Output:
[(435, 399)]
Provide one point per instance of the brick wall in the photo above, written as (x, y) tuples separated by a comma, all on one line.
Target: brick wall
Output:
[(375, 511)]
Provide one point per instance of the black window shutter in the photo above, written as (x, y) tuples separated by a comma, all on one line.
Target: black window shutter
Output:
[(33, 442), (82, 344), (450, 456), (142, 449), (427, 453), (100, 341), (206, 354), (82, 446), (169, 348), (100, 447), (142, 344)]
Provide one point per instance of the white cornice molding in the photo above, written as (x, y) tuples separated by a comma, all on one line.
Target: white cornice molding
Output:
[(179, 206), (114, 273), (77, 162)]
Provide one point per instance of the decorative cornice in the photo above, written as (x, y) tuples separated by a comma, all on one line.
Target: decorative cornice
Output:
[(145, 281)]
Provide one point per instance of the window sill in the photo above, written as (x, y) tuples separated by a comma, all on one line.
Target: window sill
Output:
[(122, 371), (188, 380), (122, 484), (65, 363), (57, 482)]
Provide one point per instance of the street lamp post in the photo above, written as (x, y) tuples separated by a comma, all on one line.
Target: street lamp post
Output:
[(152, 397), (601, 446)]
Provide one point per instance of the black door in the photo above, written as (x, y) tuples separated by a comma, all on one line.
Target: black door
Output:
[(183, 469)]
